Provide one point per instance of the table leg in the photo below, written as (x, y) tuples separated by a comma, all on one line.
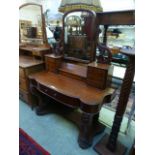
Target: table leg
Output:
[(86, 134)]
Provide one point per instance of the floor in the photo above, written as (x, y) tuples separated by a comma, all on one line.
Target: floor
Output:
[(59, 136)]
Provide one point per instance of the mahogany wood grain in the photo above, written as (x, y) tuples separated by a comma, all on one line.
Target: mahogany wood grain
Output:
[(116, 18), (27, 61), (27, 65), (35, 51), (53, 62), (74, 94), (72, 87), (74, 71), (99, 75)]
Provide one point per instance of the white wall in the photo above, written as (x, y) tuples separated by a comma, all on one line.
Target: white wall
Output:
[(32, 14)]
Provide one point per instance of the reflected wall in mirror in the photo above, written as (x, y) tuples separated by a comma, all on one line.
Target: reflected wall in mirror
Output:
[(79, 35), (31, 24)]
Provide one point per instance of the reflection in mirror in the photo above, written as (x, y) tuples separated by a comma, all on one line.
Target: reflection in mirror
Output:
[(78, 35), (31, 31)]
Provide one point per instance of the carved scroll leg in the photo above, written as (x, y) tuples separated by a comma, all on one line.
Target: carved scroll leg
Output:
[(86, 131)]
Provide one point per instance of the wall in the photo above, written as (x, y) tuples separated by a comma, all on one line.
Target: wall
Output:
[(31, 13)]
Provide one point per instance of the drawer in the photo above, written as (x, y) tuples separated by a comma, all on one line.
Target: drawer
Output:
[(98, 84), (49, 59), (67, 100), (23, 84), (96, 72), (52, 66), (21, 72)]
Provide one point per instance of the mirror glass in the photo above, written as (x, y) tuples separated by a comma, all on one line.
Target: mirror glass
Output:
[(78, 35), (31, 24)]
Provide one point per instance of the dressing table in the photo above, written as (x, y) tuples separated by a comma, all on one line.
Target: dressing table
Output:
[(74, 79), (32, 47)]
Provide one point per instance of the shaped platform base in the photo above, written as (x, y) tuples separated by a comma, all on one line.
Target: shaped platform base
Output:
[(101, 148)]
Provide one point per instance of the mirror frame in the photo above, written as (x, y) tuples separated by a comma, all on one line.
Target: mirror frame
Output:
[(93, 32), (43, 22)]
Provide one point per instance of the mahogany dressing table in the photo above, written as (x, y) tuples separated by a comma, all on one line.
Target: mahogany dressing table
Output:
[(69, 84), (75, 79), (32, 47)]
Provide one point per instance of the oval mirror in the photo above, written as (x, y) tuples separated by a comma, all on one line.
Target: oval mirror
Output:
[(79, 35)]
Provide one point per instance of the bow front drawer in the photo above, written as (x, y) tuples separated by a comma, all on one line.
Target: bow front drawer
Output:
[(60, 97)]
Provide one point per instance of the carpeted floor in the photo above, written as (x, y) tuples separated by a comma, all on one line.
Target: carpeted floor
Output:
[(59, 136), (28, 146)]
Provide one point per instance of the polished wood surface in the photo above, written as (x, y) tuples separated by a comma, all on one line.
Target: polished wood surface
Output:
[(116, 18), (74, 71), (53, 62), (74, 94), (68, 86), (99, 75), (72, 87), (27, 65), (33, 48), (38, 51), (26, 61)]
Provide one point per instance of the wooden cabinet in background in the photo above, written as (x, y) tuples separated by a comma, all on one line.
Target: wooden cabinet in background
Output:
[(27, 65)]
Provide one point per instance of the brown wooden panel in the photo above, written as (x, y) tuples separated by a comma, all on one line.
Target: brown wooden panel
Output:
[(27, 97), (97, 84), (72, 87), (116, 18), (77, 77), (21, 72), (23, 84), (95, 73), (67, 100), (48, 59)]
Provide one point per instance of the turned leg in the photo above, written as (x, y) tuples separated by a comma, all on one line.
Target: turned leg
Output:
[(122, 103), (109, 145), (86, 135)]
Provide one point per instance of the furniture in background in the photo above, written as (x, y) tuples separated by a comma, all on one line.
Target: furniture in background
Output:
[(32, 47), (27, 65), (110, 145), (112, 21)]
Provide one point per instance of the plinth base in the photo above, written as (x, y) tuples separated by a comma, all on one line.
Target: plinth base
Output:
[(101, 148)]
